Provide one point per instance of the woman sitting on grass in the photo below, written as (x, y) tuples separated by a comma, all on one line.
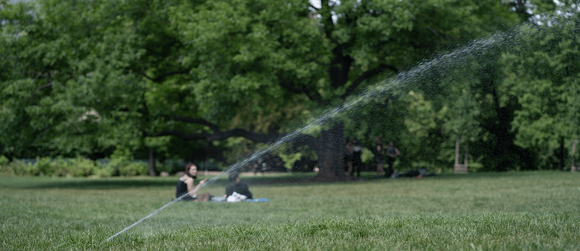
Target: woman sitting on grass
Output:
[(185, 185)]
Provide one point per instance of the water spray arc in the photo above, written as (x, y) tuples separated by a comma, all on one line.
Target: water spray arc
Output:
[(440, 64), (272, 146), (236, 166)]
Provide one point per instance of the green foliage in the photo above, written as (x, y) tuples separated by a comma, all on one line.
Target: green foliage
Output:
[(92, 78), (21, 168), (290, 153), (4, 161), (77, 167), (427, 122), (88, 78), (134, 169), (121, 163), (74, 167), (42, 167), (104, 171), (543, 74), (81, 167), (289, 158), (367, 155)]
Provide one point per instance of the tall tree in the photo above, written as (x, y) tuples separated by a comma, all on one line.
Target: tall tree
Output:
[(108, 74), (322, 53), (544, 74)]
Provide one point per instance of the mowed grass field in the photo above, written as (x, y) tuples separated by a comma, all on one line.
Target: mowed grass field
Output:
[(485, 211)]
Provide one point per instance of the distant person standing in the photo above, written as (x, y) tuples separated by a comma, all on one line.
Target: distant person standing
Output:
[(379, 157), (356, 158), (259, 166), (392, 153)]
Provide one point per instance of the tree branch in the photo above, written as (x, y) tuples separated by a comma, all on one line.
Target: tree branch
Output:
[(255, 137), (211, 126), (366, 75), (43, 86), (432, 30), (314, 97), (163, 76), (290, 87), (217, 133), (448, 37), (195, 136)]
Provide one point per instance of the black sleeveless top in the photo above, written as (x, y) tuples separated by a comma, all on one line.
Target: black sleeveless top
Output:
[(392, 150), (378, 154), (180, 189)]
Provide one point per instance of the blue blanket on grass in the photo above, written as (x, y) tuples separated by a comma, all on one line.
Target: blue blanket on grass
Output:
[(257, 200)]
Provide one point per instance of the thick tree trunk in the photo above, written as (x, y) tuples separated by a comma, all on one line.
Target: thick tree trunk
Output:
[(152, 172), (329, 147), (330, 153)]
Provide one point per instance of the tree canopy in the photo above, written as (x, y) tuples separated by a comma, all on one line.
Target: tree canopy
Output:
[(92, 77)]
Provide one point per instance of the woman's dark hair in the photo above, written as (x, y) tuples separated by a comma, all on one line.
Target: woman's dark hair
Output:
[(233, 176), (188, 167)]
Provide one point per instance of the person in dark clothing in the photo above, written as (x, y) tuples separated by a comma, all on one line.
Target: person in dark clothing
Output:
[(185, 186), (378, 151), (356, 157), (392, 153), (237, 186)]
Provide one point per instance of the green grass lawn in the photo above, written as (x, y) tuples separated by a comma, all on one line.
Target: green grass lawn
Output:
[(487, 211)]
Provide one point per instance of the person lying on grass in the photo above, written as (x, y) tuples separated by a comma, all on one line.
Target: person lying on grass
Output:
[(186, 183)]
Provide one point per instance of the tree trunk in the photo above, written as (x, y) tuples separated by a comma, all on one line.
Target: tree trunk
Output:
[(330, 153), (152, 172), (329, 147)]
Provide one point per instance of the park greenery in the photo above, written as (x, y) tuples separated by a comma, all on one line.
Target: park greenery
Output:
[(215, 80), (534, 210)]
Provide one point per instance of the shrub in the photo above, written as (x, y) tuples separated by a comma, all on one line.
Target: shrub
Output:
[(60, 168), (4, 168), (4, 161), (134, 169), (122, 164), (20, 168), (118, 165), (104, 171), (81, 167), (42, 167)]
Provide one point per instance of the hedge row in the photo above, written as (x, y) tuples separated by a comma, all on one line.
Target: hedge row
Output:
[(77, 167)]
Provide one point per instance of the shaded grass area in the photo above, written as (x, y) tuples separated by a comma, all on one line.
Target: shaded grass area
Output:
[(526, 210)]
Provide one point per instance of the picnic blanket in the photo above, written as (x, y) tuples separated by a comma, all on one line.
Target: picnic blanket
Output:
[(236, 197), (257, 200)]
